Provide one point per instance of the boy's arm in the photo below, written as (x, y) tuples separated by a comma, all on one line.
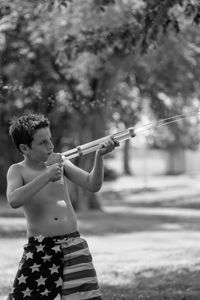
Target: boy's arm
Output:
[(91, 181), (18, 193)]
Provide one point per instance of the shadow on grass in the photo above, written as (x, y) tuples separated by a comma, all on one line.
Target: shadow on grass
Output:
[(153, 197), (150, 284), (157, 285), (129, 220)]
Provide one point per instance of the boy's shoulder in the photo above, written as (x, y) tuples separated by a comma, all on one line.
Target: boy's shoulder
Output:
[(16, 167)]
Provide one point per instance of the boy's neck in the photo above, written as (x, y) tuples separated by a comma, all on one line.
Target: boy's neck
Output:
[(34, 164)]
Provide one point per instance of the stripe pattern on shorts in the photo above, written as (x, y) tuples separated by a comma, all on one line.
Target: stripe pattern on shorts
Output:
[(79, 276)]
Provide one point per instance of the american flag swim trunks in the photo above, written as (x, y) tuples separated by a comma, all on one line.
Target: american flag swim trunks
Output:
[(56, 268)]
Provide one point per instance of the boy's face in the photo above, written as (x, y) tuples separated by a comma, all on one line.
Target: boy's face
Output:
[(41, 146)]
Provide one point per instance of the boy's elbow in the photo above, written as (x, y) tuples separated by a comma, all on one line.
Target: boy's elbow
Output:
[(13, 203), (96, 188), (94, 185)]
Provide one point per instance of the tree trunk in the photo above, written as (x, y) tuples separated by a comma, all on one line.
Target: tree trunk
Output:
[(8, 155), (95, 125), (176, 161), (91, 127), (86, 200), (126, 158), (3, 184), (83, 200)]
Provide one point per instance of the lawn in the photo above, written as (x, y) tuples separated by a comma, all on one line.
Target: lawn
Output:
[(140, 252)]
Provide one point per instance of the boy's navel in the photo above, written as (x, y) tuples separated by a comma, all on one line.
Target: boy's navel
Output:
[(59, 219)]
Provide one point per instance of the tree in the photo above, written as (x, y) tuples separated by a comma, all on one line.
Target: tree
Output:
[(168, 77), (70, 68)]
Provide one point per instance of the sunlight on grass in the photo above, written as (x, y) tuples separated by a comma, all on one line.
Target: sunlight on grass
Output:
[(10, 254), (138, 254), (149, 259), (119, 258)]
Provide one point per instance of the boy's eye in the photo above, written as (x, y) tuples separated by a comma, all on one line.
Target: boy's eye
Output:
[(46, 142)]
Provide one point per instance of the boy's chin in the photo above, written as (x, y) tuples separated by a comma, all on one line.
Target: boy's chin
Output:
[(44, 158)]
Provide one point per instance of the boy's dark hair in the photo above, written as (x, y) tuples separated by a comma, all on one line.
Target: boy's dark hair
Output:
[(22, 129)]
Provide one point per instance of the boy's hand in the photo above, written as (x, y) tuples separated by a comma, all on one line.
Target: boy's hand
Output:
[(55, 172), (108, 146), (55, 167), (54, 158)]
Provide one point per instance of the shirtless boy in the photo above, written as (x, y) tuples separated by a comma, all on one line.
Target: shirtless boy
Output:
[(56, 262)]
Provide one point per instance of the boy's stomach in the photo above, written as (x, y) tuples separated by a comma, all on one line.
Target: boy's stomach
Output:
[(57, 219)]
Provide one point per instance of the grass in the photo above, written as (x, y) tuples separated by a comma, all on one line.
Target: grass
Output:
[(141, 252)]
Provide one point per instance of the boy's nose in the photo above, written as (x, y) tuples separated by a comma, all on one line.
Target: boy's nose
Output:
[(50, 146)]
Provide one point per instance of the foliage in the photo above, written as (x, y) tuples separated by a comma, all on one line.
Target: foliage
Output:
[(168, 77), (64, 58), (73, 42)]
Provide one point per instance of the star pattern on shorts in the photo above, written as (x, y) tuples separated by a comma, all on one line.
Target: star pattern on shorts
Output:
[(22, 279), (58, 282), (54, 269), (40, 271), (41, 281), (47, 257), (40, 238), (35, 268), (29, 255), (56, 248), (46, 292), (27, 292), (40, 248)]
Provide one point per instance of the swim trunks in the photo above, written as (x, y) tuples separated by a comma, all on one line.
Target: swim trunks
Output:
[(56, 268)]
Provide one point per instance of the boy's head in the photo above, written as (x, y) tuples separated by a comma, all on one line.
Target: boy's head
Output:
[(22, 129)]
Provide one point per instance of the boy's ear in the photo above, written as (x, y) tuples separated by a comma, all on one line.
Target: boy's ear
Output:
[(24, 148)]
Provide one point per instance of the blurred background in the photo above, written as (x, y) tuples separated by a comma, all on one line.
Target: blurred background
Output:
[(94, 68)]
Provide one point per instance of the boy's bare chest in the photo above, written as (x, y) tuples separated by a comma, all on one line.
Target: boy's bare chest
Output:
[(29, 174), (49, 191)]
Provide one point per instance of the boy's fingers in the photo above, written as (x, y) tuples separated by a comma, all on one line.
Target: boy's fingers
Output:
[(108, 145), (116, 142), (54, 158)]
